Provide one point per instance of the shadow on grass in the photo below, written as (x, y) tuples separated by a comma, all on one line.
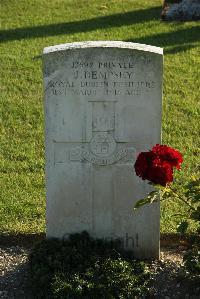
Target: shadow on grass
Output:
[(180, 40), (28, 240), (102, 22), (20, 239), (180, 48)]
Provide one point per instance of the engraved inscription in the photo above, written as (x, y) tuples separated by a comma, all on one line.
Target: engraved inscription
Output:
[(112, 64), (102, 144), (101, 88), (99, 75), (109, 160), (107, 78), (103, 116), (70, 152), (102, 121), (76, 154), (102, 149)]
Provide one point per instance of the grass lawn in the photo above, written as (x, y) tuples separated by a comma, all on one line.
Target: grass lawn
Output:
[(30, 25)]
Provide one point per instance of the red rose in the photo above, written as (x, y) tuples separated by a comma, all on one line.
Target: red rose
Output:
[(157, 165), (168, 154), (161, 174), (142, 164)]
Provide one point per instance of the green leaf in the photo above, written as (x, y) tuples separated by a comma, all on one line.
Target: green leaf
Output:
[(141, 202), (152, 197)]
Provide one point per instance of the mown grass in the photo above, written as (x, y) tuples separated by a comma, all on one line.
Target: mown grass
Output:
[(30, 25)]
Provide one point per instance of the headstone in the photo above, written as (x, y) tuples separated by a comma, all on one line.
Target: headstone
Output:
[(103, 103)]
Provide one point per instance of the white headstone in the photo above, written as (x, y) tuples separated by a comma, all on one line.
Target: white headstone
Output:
[(103, 103)]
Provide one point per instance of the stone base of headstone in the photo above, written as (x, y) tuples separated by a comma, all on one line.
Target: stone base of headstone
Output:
[(177, 10)]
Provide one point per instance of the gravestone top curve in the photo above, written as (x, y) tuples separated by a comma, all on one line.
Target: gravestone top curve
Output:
[(103, 44)]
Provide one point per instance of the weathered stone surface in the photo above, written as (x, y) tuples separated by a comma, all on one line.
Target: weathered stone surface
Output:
[(103, 103)]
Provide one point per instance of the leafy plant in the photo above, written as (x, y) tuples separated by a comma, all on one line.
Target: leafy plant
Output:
[(156, 166), (190, 197), (192, 260), (82, 267)]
